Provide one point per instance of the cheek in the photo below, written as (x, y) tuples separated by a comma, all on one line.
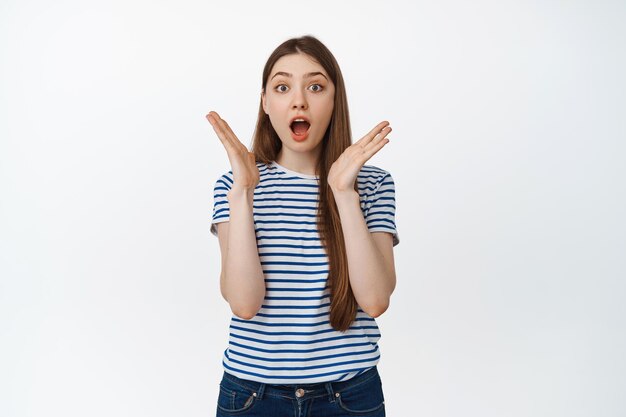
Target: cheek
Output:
[(276, 106), (329, 108), (276, 120), (272, 110), (274, 123)]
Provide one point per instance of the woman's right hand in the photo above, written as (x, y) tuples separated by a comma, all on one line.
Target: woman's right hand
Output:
[(245, 171)]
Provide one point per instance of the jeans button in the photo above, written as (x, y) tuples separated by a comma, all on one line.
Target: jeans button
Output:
[(299, 392)]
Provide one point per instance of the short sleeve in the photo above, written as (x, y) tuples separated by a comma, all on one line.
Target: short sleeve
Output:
[(380, 217), (220, 202)]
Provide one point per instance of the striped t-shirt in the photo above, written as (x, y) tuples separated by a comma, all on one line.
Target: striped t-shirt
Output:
[(290, 340)]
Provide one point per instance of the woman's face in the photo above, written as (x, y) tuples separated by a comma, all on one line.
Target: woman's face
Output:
[(299, 87)]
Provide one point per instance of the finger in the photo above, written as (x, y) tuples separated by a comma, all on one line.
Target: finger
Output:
[(212, 117), (371, 150), (215, 121), (224, 133), (372, 133), (380, 136), (231, 135), (219, 123)]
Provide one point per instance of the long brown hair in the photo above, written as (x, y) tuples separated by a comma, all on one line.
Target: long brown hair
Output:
[(266, 144)]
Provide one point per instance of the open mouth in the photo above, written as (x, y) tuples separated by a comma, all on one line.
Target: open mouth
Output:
[(300, 128)]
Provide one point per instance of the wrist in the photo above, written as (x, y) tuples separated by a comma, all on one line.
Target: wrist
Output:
[(240, 193), (345, 195)]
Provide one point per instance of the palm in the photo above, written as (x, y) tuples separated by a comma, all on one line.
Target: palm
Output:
[(344, 171), (243, 162)]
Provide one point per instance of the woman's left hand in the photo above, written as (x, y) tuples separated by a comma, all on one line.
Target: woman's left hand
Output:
[(345, 169)]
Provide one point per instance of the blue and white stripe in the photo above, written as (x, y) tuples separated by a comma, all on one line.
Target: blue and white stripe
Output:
[(290, 340)]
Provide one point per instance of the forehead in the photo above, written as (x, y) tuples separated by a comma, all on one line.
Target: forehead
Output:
[(298, 65)]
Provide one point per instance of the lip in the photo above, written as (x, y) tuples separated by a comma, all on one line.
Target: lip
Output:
[(296, 137), (299, 138), (299, 117)]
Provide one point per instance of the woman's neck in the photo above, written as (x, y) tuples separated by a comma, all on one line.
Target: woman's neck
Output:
[(304, 163)]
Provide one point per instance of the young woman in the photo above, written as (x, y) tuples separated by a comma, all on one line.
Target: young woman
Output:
[(306, 234)]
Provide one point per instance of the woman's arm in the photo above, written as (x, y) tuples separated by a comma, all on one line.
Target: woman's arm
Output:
[(242, 281), (370, 260), (370, 256)]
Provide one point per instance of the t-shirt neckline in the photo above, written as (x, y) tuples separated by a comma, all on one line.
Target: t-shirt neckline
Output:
[(294, 173)]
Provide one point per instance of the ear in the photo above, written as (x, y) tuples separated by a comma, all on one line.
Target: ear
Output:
[(263, 101)]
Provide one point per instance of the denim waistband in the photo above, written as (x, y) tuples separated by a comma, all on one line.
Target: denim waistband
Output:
[(308, 390)]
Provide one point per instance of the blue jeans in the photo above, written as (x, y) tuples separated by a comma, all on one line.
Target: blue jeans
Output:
[(359, 396)]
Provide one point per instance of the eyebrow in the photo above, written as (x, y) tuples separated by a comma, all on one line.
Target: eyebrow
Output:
[(307, 75)]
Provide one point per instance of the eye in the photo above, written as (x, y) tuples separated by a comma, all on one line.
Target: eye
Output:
[(278, 88)]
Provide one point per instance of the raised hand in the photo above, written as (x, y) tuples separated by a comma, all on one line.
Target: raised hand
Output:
[(345, 169), (245, 172)]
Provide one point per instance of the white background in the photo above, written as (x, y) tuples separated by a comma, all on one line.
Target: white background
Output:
[(508, 150)]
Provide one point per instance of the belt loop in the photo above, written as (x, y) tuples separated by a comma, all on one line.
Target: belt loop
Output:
[(260, 391), (331, 394)]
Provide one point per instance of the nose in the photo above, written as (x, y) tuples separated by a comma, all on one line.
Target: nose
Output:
[(299, 100)]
